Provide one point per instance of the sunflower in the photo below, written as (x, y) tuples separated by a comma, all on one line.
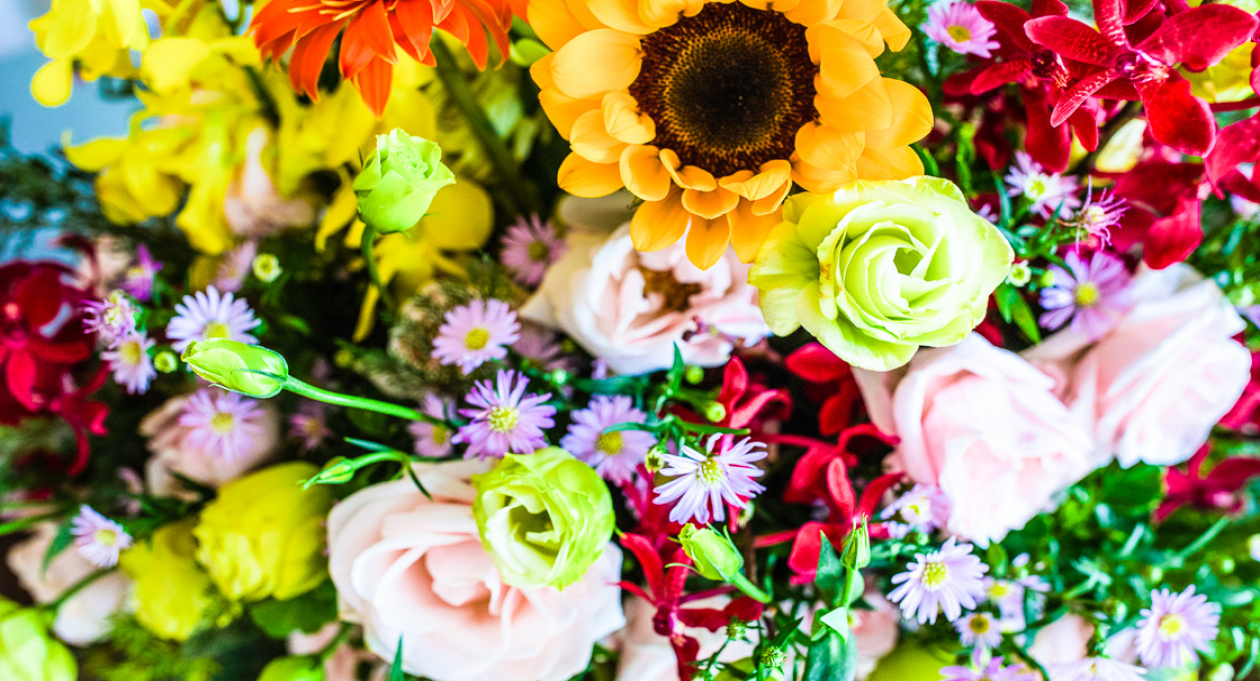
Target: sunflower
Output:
[(710, 110), (373, 28)]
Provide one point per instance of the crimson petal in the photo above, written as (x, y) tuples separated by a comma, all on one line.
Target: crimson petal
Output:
[(1072, 39), (1109, 15), (1178, 118), (1008, 19), (1200, 37), (997, 75), (1235, 144), (1049, 145), (1074, 98)]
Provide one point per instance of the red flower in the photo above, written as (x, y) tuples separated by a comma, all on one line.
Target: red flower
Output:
[(1217, 489), (820, 366), (665, 593), (1196, 38), (1164, 217), (373, 28), (1238, 143), (744, 399), (807, 545)]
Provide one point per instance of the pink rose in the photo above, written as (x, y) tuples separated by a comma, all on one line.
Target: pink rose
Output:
[(84, 618), (982, 424), (342, 665), (410, 568), (876, 630), (253, 206), (174, 453), (629, 308), (1154, 385), (1063, 641)]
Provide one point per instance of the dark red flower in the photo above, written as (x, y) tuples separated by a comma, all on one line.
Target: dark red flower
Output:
[(1216, 489), (1164, 218), (1196, 38), (1237, 144), (803, 560), (818, 365)]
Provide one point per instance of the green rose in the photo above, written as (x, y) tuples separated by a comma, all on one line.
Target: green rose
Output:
[(27, 651), (247, 369), (399, 181), (303, 668), (714, 555), (544, 517), (878, 269)]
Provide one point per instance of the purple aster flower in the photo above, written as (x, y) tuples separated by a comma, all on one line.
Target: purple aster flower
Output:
[(993, 671), (1009, 597), (615, 456), (504, 418), (208, 315), (1098, 216), (529, 248), (432, 439), (310, 425), (705, 483), (112, 318), (1092, 294), (98, 538), (946, 580), (924, 508), (221, 423), (1175, 626), (138, 279), (131, 363), (476, 333), (542, 345), (979, 629), (235, 266), (960, 27), (1096, 669), (1049, 192)]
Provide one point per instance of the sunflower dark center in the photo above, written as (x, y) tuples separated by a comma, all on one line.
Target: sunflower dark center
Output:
[(728, 88)]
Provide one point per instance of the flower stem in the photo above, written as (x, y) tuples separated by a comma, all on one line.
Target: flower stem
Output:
[(320, 395), (366, 242), (53, 606), (452, 78), (739, 581)]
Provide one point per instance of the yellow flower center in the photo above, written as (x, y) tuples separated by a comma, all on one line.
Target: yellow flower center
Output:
[(1036, 187), (711, 472), (477, 338), (1087, 294), (959, 33), (609, 443), (131, 353), (1093, 215), (999, 590), (105, 537), (979, 624), (222, 422), (727, 88), (503, 419), (1171, 625), (539, 251), (440, 435), (217, 330), (934, 575)]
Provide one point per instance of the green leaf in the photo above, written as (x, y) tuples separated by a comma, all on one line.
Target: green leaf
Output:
[(61, 541), (306, 613), (830, 576), (1013, 307), (838, 620), (396, 670), (832, 658), (1133, 490)]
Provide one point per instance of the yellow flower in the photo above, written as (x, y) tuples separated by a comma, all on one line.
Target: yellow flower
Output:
[(710, 110), (28, 652), (264, 535), (94, 35), (173, 596), (1227, 81)]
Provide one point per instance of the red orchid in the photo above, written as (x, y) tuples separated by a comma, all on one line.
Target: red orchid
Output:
[(743, 399), (1237, 144), (820, 366), (1245, 415), (1196, 38), (1217, 489), (665, 593), (1164, 217), (803, 560), (1042, 77)]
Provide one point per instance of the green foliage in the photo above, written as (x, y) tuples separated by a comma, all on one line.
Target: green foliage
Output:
[(307, 613)]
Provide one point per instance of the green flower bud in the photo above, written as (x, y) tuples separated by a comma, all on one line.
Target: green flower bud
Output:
[(773, 657), (655, 458), (714, 555), (399, 181), (714, 411), (165, 361), (303, 668), (1020, 274), (1047, 279), (339, 471), (545, 517), (27, 651), (247, 369), (857, 551), (694, 374), (266, 267)]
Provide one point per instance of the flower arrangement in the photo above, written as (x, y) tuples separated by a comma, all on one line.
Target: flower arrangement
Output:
[(638, 340)]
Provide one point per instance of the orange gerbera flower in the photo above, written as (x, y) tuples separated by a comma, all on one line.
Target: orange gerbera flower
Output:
[(710, 110), (372, 30)]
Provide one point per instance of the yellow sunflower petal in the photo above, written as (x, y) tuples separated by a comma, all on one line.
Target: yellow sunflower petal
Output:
[(864, 31), (827, 147), (810, 12), (623, 120), (868, 108), (861, 10), (770, 203), (622, 15), (894, 30), (563, 110), (843, 62), (580, 177), (662, 13), (553, 22), (657, 224), (898, 163), (687, 177), (590, 141), (784, 6), (751, 186), (912, 117), (749, 230), (644, 174), (709, 204), (707, 240), (597, 62)]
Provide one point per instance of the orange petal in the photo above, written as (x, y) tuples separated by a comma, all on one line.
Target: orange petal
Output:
[(770, 203), (367, 36), (553, 22), (416, 21), (819, 180), (912, 117), (623, 120), (658, 224), (861, 10), (643, 173), (895, 32), (662, 13), (373, 84), (810, 12), (843, 62), (710, 204), (749, 230), (707, 240), (563, 110), (580, 177), (622, 15), (897, 163), (827, 147), (308, 58), (769, 181), (688, 177), (864, 31), (597, 62), (590, 141), (869, 108)]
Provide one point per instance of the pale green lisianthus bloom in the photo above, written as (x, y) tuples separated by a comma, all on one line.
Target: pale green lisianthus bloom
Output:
[(543, 517), (878, 269), (27, 651)]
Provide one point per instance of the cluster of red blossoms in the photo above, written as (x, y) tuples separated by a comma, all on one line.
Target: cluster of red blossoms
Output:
[(1073, 78)]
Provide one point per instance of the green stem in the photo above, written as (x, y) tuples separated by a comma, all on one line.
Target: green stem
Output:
[(320, 395), (452, 78), (739, 581), (24, 523), (82, 584), (366, 242)]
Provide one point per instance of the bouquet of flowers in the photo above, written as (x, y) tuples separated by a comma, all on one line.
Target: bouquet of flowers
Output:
[(639, 340)]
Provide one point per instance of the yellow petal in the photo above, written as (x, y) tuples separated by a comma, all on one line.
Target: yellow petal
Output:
[(760, 185), (687, 177), (770, 203), (822, 179), (580, 177), (122, 25), (827, 147), (460, 217), (749, 230), (895, 32), (95, 155), (623, 120), (912, 117), (596, 62), (843, 62), (898, 163), (861, 10), (590, 141), (52, 82), (622, 15), (643, 173), (658, 224), (340, 212), (810, 12), (868, 108), (553, 22), (864, 31), (710, 204), (661, 13), (707, 241), (168, 63), (563, 110), (66, 29)]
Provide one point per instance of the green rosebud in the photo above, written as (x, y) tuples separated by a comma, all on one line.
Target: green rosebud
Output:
[(300, 668), (247, 369), (694, 374), (544, 518), (399, 181), (857, 550), (165, 361), (27, 651), (1020, 274), (338, 471), (714, 411), (266, 267), (713, 554)]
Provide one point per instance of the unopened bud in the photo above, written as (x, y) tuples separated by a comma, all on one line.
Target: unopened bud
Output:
[(165, 361), (714, 555), (247, 369), (694, 374), (266, 267), (714, 411)]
